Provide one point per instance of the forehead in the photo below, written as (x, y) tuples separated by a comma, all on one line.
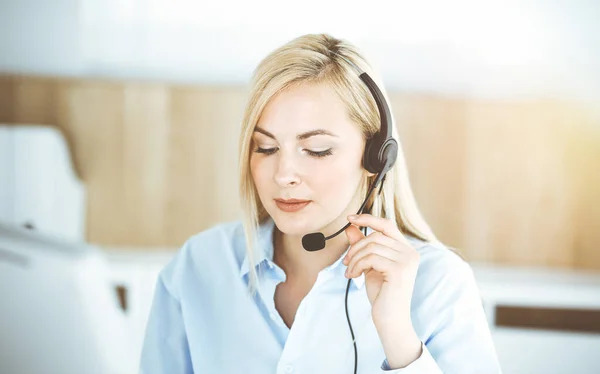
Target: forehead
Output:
[(303, 108)]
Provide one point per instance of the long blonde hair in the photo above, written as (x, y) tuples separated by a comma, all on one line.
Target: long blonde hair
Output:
[(321, 58)]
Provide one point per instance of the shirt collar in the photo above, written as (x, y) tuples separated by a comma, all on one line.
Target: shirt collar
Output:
[(264, 252)]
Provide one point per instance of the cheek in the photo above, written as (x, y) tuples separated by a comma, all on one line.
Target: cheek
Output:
[(334, 179), (260, 171), (255, 170), (345, 178)]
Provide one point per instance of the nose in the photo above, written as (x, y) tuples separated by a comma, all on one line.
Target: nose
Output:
[(287, 172)]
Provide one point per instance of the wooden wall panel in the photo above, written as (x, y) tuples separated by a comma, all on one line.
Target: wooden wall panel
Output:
[(145, 169), (520, 194), (506, 182), (432, 133), (203, 161), (95, 115), (584, 166)]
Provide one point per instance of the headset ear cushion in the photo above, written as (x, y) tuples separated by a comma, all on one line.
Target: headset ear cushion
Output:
[(380, 159), (389, 154), (370, 158)]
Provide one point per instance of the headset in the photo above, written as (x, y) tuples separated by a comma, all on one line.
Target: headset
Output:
[(381, 152)]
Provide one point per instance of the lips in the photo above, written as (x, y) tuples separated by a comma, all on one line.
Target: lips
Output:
[(292, 201), (291, 205)]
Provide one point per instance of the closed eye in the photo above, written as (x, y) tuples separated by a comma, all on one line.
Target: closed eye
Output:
[(270, 151)]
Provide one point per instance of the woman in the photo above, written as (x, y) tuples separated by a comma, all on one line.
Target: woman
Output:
[(246, 296)]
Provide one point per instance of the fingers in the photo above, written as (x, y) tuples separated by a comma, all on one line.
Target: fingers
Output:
[(371, 238), (372, 261), (384, 249), (365, 258), (354, 234), (384, 225)]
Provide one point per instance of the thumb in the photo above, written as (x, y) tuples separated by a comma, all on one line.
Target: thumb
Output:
[(354, 234)]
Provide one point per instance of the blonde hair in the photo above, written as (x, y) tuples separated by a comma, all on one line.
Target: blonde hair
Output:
[(321, 58)]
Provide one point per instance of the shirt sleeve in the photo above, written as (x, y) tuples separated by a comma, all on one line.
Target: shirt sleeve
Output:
[(424, 364), (165, 348), (461, 342)]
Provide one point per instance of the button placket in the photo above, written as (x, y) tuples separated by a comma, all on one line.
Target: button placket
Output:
[(297, 333)]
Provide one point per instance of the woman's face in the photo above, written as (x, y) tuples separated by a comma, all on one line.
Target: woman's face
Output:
[(325, 169)]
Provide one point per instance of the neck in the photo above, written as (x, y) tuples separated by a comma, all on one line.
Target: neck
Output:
[(300, 264)]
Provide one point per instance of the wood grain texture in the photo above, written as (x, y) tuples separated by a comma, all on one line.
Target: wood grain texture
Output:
[(505, 182), (548, 319)]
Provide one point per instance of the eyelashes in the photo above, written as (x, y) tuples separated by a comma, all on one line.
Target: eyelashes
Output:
[(270, 151)]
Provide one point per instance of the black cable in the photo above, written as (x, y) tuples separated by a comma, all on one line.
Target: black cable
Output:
[(349, 280), (350, 325), (348, 318)]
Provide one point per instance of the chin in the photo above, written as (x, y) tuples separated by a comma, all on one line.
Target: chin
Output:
[(293, 224), (300, 226), (290, 225)]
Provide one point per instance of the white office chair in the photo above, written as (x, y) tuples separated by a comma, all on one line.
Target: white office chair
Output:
[(59, 312), (39, 186)]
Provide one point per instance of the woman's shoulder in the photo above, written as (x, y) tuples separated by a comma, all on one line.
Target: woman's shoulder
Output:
[(446, 294), (440, 264), (222, 233), (205, 253)]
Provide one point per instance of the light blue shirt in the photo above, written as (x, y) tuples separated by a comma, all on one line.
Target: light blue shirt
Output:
[(204, 321)]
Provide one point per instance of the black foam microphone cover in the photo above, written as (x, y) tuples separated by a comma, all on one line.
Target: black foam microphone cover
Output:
[(314, 241)]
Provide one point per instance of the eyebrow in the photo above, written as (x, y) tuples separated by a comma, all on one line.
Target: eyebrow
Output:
[(302, 136)]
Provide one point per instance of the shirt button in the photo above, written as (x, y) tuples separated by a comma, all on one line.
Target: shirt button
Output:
[(289, 369)]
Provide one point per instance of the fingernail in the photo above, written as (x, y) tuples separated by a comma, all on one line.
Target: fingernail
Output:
[(353, 216)]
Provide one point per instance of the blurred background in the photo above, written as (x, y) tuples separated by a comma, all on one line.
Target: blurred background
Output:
[(119, 125)]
